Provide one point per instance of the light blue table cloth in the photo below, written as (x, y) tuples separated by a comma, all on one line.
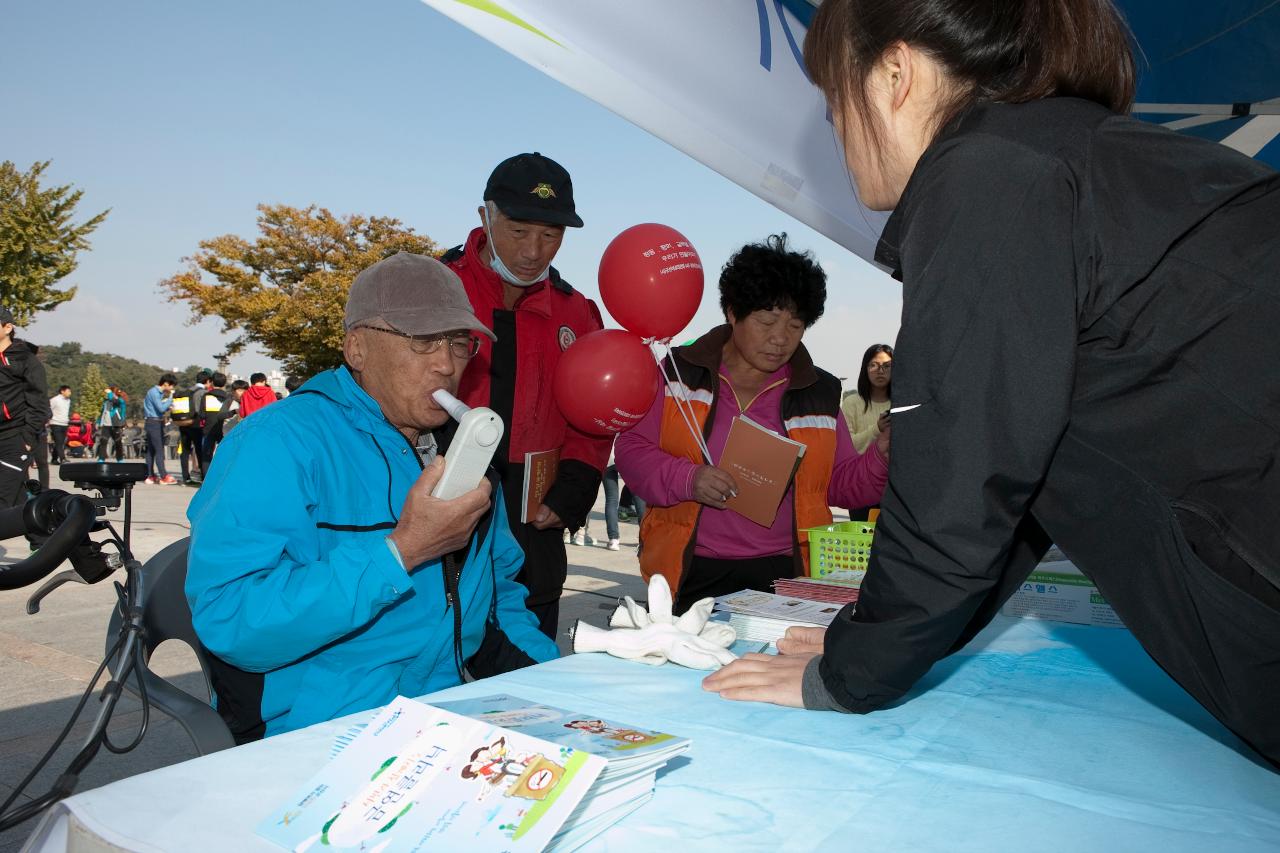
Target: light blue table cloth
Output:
[(1038, 736)]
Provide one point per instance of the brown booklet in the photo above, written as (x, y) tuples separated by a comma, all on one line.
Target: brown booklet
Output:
[(762, 463), (539, 474)]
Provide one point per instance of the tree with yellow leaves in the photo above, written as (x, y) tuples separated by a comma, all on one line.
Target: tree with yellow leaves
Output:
[(286, 290)]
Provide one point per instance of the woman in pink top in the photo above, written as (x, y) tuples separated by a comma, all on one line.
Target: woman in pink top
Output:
[(755, 365)]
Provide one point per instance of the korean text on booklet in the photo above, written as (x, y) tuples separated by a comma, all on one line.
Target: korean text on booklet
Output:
[(422, 778)]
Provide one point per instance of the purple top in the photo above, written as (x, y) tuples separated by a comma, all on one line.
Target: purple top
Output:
[(661, 479)]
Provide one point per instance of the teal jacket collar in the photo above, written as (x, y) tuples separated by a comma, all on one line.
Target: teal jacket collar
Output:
[(341, 387)]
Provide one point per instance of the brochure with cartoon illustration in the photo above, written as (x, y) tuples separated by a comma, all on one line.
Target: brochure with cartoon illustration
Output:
[(420, 777), (627, 748)]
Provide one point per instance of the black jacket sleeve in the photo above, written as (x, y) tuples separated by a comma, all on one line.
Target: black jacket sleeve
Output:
[(985, 355), (574, 491), (37, 412)]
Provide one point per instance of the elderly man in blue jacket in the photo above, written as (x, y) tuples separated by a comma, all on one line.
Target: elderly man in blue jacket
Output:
[(323, 577)]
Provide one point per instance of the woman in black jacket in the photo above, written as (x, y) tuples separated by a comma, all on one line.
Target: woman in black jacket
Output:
[(1117, 285), (24, 411)]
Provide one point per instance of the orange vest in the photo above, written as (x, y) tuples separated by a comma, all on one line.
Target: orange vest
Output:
[(811, 415)]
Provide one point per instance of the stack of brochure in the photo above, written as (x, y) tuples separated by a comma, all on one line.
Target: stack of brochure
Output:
[(498, 773), (633, 755), (829, 588), (766, 617)]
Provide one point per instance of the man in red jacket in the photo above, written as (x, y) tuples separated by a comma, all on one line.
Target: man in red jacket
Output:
[(505, 266), (257, 396)]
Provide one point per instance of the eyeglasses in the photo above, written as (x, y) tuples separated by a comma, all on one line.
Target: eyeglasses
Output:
[(460, 345), (880, 366)]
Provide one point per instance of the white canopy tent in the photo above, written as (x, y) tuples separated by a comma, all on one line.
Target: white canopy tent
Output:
[(724, 81)]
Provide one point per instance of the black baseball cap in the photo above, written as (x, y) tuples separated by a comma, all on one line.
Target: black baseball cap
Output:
[(6, 316), (533, 188)]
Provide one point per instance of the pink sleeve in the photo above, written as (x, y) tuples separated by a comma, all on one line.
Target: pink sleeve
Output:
[(655, 475), (857, 479)]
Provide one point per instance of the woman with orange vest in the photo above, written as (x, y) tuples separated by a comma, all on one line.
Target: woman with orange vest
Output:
[(755, 365)]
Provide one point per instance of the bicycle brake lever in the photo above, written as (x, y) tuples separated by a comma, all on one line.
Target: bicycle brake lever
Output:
[(68, 576)]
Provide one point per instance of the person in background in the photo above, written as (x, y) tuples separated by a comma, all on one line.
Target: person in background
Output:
[(40, 459), (505, 266), (629, 506), (867, 410), (610, 485), (257, 396), (338, 581), (135, 440), (216, 407), (79, 436), (155, 405), (60, 406), (24, 402), (580, 536), (187, 415), (754, 365), (1087, 355), (232, 420), (172, 440), (111, 423)]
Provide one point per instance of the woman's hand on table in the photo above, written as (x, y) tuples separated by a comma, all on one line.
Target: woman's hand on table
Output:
[(713, 487), (802, 641), (762, 678)]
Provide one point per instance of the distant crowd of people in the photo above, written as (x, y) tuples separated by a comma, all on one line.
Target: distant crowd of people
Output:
[(184, 424)]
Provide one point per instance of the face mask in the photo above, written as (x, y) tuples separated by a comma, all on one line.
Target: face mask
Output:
[(496, 264)]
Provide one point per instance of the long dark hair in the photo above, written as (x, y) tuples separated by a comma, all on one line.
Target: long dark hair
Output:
[(1011, 51), (864, 384)]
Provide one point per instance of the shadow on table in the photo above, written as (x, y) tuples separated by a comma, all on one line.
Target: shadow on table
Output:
[(674, 764), (1116, 652), (1130, 665)]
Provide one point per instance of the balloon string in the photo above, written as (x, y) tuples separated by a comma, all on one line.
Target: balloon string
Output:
[(679, 394), (706, 452), (690, 420)]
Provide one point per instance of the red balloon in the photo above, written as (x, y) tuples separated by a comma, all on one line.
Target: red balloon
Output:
[(651, 280), (605, 382)]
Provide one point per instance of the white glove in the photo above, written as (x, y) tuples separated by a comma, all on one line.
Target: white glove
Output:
[(654, 636), (695, 621)]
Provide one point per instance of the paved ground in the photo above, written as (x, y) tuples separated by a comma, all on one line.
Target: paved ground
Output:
[(47, 660)]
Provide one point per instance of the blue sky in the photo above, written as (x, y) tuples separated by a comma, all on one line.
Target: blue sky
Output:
[(182, 117)]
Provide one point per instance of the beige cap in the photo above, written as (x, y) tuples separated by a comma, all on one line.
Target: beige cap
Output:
[(413, 294)]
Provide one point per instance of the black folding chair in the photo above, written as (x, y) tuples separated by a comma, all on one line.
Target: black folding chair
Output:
[(166, 616)]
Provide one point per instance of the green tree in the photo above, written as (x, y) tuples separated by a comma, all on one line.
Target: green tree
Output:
[(91, 393), (38, 241), (285, 291)]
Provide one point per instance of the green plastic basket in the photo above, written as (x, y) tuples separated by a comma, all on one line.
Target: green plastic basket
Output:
[(845, 545)]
